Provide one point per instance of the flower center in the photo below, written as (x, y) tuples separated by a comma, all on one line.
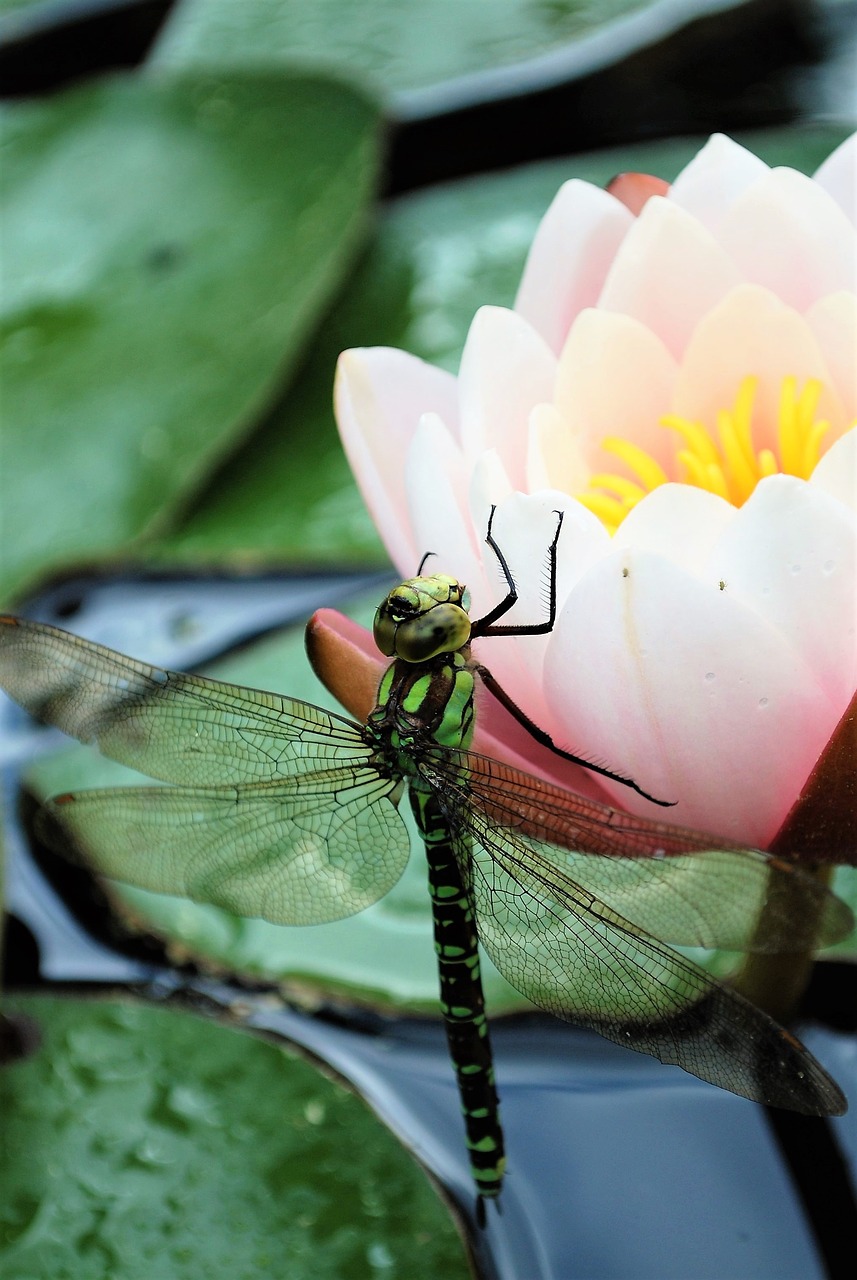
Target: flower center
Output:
[(728, 465)]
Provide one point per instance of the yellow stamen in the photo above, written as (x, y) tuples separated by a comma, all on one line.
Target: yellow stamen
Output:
[(812, 446), (789, 437), (735, 459), (628, 490), (695, 435), (722, 460), (768, 462), (651, 473), (608, 510)]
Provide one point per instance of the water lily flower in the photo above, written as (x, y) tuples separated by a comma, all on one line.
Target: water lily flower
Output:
[(678, 377)]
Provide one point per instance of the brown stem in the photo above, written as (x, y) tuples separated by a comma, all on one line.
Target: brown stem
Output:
[(776, 983), (819, 831)]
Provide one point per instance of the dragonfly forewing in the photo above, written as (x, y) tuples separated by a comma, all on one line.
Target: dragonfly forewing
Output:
[(178, 728)]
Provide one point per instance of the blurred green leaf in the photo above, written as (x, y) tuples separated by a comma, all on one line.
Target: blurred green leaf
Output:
[(168, 247), (396, 44), (437, 257), (141, 1143), (18, 6)]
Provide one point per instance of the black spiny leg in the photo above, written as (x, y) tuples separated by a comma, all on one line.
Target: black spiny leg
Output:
[(485, 627)]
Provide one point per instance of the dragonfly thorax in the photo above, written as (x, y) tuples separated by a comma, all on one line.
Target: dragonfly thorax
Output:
[(422, 618)]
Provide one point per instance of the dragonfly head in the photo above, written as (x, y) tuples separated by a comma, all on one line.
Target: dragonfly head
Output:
[(422, 618)]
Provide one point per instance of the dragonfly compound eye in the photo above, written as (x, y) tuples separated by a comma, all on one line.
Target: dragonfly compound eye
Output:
[(384, 630), (442, 628)]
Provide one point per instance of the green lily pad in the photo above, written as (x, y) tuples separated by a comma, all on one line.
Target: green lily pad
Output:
[(168, 247), (394, 43), (438, 255), (141, 1142)]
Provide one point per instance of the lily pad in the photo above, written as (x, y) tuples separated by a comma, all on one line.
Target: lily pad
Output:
[(438, 255), (141, 1142), (394, 43), (168, 247)]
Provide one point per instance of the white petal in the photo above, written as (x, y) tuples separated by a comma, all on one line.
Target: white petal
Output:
[(787, 234), (555, 459), (571, 253), (838, 176), (506, 368), (683, 688), (678, 521), (715, 177), (489, 487), (668, 273), (836, 473), (833, 321), (435, 484), (790, 554), (524, 526), (615, 377), (379, 396)]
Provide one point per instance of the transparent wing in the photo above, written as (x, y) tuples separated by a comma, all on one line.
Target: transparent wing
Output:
[(582, 962), (291, 854), (572, 953), (286, 818), (682, 886), (178, 728)]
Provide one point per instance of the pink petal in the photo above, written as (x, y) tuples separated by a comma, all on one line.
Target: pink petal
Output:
[(833, 321), (346, 660), (787, 234), (751, 333), (506, 368), (615, 377), (715, 177), (435, 483), (500, 736), (838, 176), (524, 527), (790, 554), (668, 273), (683, 688), (555, 459), (379, 396), (836, 473), (569, 259)]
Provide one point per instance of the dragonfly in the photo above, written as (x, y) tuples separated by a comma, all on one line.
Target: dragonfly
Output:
[(280, 809)]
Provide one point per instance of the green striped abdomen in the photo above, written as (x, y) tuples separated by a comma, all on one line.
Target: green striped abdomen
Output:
[(461, 997)]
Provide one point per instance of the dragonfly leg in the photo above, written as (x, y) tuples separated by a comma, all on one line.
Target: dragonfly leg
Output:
[(485, 626), (547, 741)]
